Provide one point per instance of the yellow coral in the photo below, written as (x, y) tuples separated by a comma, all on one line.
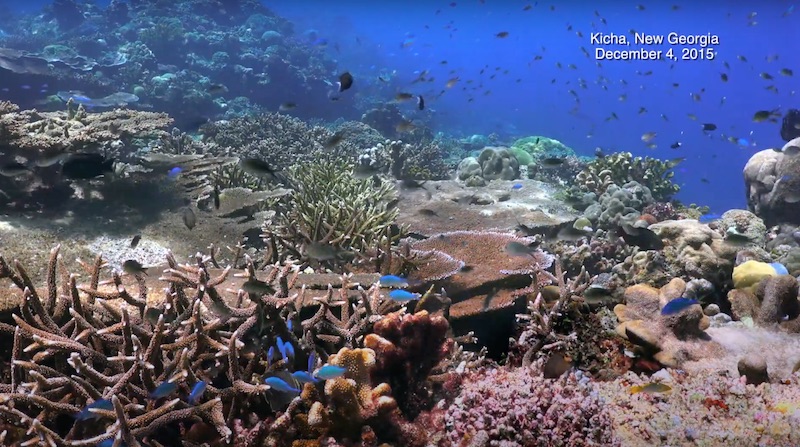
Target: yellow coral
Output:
[(750, 273)]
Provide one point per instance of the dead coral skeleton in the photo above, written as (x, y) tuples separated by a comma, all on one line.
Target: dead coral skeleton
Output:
[(540, 334)]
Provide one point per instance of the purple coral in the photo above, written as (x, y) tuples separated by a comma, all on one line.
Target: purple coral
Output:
[(519, 408)]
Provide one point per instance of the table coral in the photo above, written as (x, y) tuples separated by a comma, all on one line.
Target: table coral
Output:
[(75, 129)]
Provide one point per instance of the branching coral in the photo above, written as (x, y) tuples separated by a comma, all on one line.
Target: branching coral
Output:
[(111, 344), (623, 167), (281, 139), (330, 208)]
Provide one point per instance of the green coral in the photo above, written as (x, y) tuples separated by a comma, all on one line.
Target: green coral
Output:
[(623, 167), (528, 149), (329, 205)]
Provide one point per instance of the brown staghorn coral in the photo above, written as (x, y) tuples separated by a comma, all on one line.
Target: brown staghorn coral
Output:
[(115, 341)]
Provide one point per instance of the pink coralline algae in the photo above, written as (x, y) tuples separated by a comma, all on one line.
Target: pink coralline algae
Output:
[(517, 407)]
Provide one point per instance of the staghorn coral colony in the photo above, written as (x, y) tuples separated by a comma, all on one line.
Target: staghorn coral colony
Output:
[(260, 278)]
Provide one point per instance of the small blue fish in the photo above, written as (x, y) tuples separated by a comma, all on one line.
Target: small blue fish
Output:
[(110, 442), (289, 325), (197, 392), (329, 372), (281, 347), (779, 268), (174, 173), (403, 295), (86, 414), (516, 186), (279, 384), (304, 377), (270, 354), (710, 217), (393, 281), (677, 305), (164, 390), (289, 350), (743, 142), (312, 361)]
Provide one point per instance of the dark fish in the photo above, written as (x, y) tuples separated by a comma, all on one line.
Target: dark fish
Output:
[(345, 81), (362, 171), (766, 76), (321, 251), (152, 314), (133, 267), (426, 212), (763, 115), (420, 102), (135, 240), (643, 238), (164, 390), (709, 126), (527, 8), (86, 165), (786, 72), (598, 152), (724, 77), (287, 106), (675, 145), (189, 218), (257, 287), (216, 89), (677, 305), (215, 196), (405, 126), (197, 392), (333, 141), (519, 249), (51, 159), (551, 162), (501, 35), (403, 96), (257, 167), (556, 365), (13, 169)]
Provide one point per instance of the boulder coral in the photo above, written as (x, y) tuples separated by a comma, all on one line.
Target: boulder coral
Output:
[(670, 338), (773, 186)]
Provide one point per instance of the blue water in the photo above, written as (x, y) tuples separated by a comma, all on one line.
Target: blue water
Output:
[(517, 95), (464, 36)]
